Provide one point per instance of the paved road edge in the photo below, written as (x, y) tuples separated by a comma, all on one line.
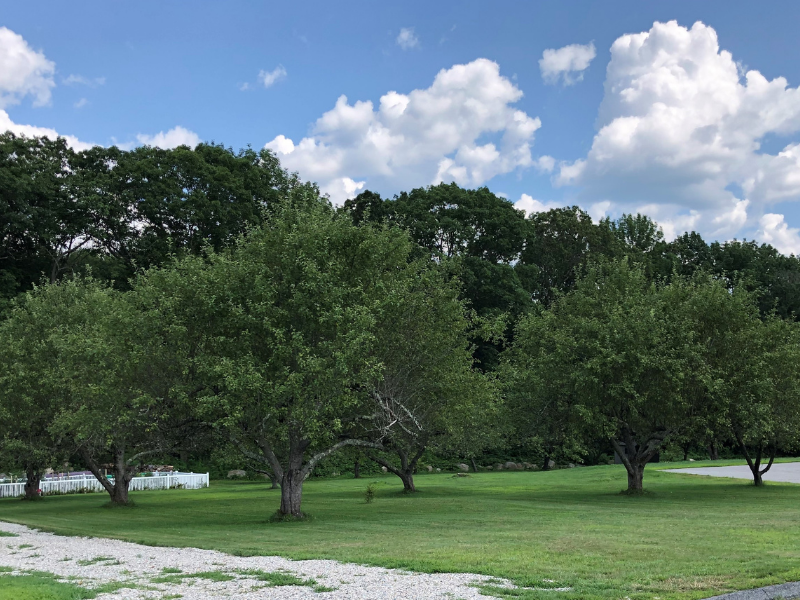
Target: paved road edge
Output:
[(787, 591)]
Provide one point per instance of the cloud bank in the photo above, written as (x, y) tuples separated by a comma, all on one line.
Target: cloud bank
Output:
[(463, 128), (680, 133)]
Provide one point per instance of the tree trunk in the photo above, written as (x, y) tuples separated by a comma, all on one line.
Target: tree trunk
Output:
[(546, 463), (407, 478), (291, 493), (755, 465), (357, 469), (474, 466), (274, 481), (635, 478), (34, 479), (406, 470), (635, 456), (713, 452), (123, 474)]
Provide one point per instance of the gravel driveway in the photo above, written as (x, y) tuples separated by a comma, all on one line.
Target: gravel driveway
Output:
[(785, 472), (162, 573)]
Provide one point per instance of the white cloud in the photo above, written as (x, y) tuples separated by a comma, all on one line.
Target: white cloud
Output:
[(567, 63), (23, 71), (81, 103), (6, 124), (545, 164), (680, 132), (462, 128), (177, 136), (531, 205), (270, 78), (407, 39), (774, 230), (81, 80)]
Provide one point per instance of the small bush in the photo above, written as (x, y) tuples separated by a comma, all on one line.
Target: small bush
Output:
[(369, 494)]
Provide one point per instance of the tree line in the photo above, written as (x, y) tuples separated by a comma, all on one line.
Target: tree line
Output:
[(164, 301)]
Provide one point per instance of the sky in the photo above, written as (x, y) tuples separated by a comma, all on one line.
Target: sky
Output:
[(688, 112)]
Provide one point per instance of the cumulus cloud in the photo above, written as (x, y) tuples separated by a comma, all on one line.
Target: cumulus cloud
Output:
[(270, 78), (407, 39), (23, 71), (566, 64), (680, 131), (177, 136), (462, 128)]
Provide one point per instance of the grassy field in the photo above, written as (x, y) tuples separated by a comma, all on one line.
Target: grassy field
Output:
[(688, 537)]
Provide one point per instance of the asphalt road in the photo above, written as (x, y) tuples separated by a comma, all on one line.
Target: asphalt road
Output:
[(785, 472)]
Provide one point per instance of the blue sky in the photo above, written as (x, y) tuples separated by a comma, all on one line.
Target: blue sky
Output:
[(661, 119)]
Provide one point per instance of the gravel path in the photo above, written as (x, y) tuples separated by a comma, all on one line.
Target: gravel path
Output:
[(785, 472), (93, 562)]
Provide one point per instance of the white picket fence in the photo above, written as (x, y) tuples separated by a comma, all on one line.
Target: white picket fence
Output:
[(78, 485)]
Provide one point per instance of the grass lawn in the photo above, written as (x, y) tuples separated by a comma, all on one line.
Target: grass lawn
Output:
[(689, 537), (39, 586)]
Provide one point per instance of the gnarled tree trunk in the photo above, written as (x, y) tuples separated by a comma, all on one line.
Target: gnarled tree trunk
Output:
[(123, 474), (357, 469), (32, 483), (635, 456), (406, 470), (755, 464)]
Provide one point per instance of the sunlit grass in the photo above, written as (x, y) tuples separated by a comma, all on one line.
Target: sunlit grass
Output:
[(689, 537)]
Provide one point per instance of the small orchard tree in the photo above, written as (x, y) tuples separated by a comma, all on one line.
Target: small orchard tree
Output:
[(607, 359), (284, 335), (31, 390), (762, 391), (428, 395), (80, 378), (106, 373)]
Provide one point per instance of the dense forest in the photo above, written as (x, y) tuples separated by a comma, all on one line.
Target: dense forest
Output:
[(206, 307)]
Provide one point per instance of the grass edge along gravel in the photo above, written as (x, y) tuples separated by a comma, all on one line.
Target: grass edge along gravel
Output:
[(688, 538)]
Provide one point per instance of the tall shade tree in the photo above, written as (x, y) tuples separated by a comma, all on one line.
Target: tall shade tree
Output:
[(284, 327), (43, 223), (609, 357), (483, 231), (558, 245)]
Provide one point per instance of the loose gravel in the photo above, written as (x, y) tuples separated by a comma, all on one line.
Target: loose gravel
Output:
[(163, 573)]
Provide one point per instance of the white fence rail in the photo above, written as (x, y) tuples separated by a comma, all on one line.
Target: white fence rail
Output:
[(73, 485)]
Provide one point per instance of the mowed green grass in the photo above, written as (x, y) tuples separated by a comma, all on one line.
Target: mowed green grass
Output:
[(688, 537)]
